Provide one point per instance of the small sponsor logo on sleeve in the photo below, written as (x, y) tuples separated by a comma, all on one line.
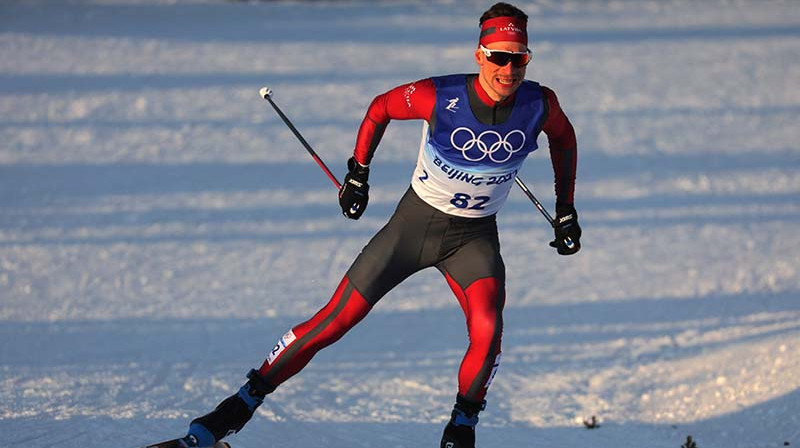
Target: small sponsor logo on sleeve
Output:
[(283, 342), (408, 92)]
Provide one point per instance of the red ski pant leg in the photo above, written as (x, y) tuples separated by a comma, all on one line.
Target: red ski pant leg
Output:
[(482, 302), (296, 348)]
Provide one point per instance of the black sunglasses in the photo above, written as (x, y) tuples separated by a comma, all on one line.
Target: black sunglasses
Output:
[(501, 57)]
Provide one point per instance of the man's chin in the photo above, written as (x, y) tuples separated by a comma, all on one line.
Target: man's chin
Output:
[(505, 89)]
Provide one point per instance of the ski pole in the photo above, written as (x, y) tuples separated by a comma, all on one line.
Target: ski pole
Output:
[(535, 201), (568, 241), (266, 93)]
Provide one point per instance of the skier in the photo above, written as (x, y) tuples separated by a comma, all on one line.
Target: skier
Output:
[(480, 129)]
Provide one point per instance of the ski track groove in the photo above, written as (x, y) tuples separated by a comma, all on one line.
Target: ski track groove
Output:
[(28, 439), (73, 437), (160, 378)]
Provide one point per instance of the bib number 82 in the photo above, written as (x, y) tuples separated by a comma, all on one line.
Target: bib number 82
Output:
[(463, 200)]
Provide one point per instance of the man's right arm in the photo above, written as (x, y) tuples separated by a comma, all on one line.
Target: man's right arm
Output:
[(405, 102)]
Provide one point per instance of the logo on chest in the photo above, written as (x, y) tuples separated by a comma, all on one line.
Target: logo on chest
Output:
[(453, 104)]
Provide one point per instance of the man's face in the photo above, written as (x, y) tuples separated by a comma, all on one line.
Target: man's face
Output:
[(500, 81)]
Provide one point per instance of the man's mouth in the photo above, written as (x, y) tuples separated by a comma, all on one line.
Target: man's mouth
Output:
[(508, 82)]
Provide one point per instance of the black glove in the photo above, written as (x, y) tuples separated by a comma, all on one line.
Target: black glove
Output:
[(567, 230), (354, 194)]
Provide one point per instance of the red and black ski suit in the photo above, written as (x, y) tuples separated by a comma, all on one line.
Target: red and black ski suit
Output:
[(465, 249)]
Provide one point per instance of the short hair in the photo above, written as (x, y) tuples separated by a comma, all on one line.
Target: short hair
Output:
[(502, 9)]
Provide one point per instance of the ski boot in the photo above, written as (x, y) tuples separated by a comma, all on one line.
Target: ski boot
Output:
[(230, 416), (460, 430)]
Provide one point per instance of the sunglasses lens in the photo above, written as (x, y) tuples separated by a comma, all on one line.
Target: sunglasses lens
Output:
[(501, 58), (520, 60)]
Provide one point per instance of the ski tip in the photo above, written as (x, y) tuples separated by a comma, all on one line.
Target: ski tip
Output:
[(265, 92), (173, 443)]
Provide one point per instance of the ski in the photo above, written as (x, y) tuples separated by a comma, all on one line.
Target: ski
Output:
[(165, 444), (173, 443)]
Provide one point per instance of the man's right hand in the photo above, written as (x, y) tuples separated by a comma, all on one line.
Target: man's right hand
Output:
[(354, 194)]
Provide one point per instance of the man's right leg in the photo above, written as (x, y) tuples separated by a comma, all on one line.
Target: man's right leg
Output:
[(398, 250), (394, 253), (296, 348), (229, 416), (292, 352)]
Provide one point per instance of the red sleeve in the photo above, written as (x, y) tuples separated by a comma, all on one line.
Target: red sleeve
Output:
[(406, 102), (563, 149)]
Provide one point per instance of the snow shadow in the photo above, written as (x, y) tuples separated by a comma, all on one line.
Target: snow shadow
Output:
[(29, 185), (40, 83), (277, 22), (104, 196), (231, 342)]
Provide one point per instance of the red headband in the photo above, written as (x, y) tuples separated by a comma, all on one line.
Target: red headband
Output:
[(501, 29)]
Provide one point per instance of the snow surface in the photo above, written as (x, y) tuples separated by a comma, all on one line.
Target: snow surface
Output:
[(161, 227)]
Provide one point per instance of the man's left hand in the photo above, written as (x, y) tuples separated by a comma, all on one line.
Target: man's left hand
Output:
[(567, 231)]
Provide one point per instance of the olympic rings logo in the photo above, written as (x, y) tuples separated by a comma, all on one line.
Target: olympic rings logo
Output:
[(498, 148)]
